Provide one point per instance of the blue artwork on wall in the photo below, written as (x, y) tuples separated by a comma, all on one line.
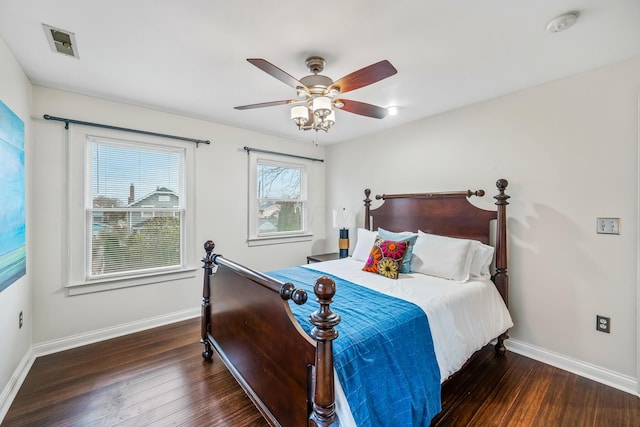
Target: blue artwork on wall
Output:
[(13, 256)]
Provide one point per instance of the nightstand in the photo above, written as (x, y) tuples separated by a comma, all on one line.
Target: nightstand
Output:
[(322, 257)]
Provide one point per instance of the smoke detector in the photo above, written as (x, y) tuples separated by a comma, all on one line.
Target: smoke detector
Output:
[(562, 22), (61, 41)]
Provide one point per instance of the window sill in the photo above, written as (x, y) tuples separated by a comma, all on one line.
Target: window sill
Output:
[(101, 285), (278, 240)]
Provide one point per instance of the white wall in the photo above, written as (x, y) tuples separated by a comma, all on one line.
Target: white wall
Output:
[(569, 149), (15, 93), (221, 214)]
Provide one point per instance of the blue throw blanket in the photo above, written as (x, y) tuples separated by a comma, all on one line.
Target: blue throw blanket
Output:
[(383, 355)]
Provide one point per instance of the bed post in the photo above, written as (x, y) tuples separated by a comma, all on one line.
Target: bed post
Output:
[(206, 304), (323, 413), (367, 207), (501, 277)]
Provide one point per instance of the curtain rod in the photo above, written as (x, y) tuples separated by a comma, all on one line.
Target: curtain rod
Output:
[(257, 150), (144, 132)]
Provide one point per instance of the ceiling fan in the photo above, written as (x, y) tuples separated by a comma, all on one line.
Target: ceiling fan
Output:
[(318, 95)]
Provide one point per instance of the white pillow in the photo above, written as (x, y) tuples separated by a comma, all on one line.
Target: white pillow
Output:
[(482, 259), (366, 239), (442, 256)]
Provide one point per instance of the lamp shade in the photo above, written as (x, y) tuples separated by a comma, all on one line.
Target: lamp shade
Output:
[(343, 218), (299, 114), (321, 106), (330, 120)]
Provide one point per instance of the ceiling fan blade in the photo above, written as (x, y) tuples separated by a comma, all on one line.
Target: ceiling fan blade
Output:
[(276, 72), (363, 108), (365, 76), (266, 104)]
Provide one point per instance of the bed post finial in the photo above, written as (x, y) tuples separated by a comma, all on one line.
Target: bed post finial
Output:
[(501, 277), (502, 185), (367, 206), (207, 265), (324, 321)]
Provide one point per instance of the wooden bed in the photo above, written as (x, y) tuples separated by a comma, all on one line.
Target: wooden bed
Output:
[(289, 375)]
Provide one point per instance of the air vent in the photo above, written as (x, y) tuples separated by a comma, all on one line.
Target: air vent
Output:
[(61, 41)]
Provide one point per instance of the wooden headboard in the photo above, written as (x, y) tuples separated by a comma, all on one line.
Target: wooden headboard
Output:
[(448, 214)]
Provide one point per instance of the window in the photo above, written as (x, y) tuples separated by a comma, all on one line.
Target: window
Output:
[(134, 210), (278, 205), (129, 218)]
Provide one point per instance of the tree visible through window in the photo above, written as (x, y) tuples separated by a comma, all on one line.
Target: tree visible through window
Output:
[(281, 198), (135, 209)]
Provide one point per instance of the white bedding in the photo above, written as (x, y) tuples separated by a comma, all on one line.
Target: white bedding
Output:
[(463, 317)]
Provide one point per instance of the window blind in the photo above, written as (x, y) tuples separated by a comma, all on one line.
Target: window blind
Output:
[(135, 208)]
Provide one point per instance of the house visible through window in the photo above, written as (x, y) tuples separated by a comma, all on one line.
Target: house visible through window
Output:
[(135, 208)]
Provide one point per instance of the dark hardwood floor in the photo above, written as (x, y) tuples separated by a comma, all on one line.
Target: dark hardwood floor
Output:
[(158, 377)]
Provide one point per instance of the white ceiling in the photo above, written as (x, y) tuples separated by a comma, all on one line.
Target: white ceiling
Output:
[(189, 57)]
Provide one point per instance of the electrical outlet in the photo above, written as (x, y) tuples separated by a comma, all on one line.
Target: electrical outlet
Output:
[(608, 226), (20, 321), (603, 324)]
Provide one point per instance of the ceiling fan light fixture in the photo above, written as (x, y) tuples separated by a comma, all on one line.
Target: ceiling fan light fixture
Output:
[(321, 106), (330, 120), (316, 102), (299, 115)]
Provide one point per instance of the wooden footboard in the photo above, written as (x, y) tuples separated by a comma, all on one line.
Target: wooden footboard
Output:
[(288, 375)]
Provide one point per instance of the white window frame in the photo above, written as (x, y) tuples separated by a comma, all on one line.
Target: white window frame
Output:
[(255, 238), (79, 191)]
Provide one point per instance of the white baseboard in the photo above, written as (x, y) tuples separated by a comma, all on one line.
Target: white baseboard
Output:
[(15, 382), (74, 341), (613, 379)]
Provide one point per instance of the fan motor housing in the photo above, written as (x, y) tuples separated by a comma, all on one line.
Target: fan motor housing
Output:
[(316, 83)]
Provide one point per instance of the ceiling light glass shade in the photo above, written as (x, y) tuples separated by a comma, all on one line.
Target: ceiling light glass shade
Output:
[(327, 122), (321, 106), (330, 119), (299, 114)]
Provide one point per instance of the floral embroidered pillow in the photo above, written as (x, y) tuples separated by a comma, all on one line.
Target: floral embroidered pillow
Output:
[(386, 257)]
